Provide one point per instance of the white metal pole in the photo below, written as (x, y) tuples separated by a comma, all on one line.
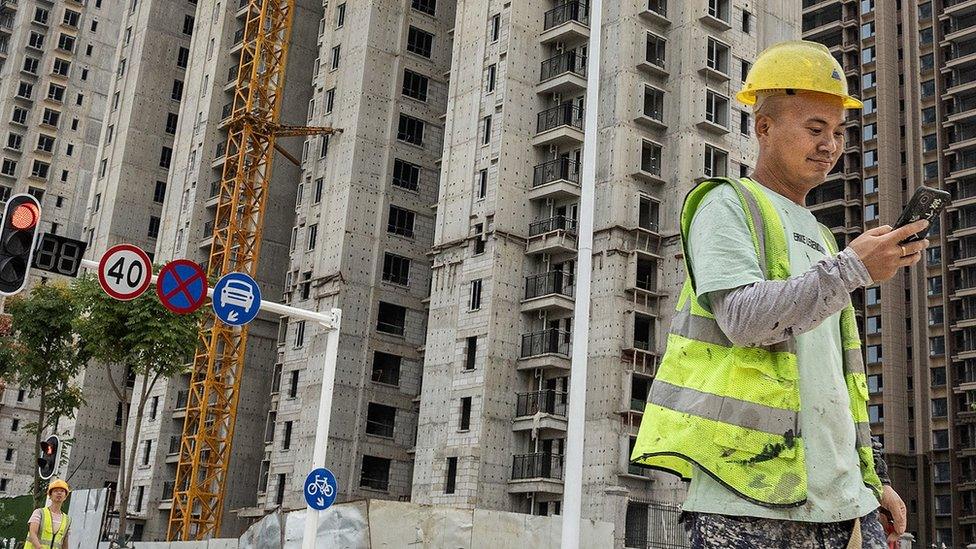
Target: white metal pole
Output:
[(322, 423), (330, 322), (573, 477)]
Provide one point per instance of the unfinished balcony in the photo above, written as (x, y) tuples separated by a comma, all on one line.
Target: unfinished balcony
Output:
[(182, 397), (824, 19), (563, 73), (634, 402), (963, 194), (960, 107), (642, 289), (961, 55), (568, 22), (554, 236), (962, 165), (958, 7), (561, 125), (542, 412), (656, 11), (960, 26), (166, 499), (173, 453), (959, 82), (548, 349), (539, 472), (556, 179), (551, 292)]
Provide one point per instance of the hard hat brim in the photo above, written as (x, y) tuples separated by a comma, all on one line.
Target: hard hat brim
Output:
[(748, 97)]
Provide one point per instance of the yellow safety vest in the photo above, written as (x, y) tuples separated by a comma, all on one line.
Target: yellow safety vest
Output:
[(734, 411), (49, 538)]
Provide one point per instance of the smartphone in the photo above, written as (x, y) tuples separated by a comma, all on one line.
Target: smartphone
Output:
[(926, 203)]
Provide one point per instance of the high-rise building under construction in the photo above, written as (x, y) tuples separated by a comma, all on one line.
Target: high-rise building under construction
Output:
[(492, 425), (53, 97)]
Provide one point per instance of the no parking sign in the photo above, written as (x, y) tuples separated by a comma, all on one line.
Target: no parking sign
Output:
[(181, 286)]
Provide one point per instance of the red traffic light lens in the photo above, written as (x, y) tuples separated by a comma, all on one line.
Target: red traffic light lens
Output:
[(24, 216)]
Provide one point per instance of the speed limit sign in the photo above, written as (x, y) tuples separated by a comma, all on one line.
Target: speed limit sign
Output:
[(124, 272)]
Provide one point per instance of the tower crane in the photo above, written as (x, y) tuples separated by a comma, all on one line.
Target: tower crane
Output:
[(252, 130)]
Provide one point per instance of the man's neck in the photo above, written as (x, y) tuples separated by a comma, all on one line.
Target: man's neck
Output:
[(769, 178)]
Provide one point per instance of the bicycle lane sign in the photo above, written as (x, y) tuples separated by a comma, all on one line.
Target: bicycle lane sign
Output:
[(321, 489)]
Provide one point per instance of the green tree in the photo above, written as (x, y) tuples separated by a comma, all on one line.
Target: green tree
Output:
[(148, 342), (40, 351)]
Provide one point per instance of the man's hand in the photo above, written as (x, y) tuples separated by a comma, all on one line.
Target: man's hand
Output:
[(881, 253), (895, 507)]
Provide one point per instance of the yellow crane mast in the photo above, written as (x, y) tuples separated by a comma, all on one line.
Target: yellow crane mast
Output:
[(211, 410)]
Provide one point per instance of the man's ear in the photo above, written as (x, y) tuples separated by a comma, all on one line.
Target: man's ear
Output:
[(762, 125)]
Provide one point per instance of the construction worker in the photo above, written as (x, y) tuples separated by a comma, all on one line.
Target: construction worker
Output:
[(760, 398), (48, 526)]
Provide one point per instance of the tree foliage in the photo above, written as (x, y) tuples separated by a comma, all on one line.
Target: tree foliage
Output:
[(41, 352), (145, 338)]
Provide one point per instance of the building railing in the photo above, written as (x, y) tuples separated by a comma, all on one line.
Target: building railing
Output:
[(549, 401), (379, 428), (537, 465), (965, 189), (564, 13), (566, 114), (556, 170), (374, 483), (960, 23), (567, 62), (827, 194), (552, 282), (557, 223), (548, 341), (654, 525)]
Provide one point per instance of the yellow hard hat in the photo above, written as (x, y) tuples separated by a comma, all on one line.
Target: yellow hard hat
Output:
[(58, 483), (797, 65)]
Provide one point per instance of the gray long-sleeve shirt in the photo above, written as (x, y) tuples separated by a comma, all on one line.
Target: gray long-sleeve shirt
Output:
[(802, 302)]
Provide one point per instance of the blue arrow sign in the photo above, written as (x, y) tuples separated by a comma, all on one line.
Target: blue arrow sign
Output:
[(236, 299), (321, 489)]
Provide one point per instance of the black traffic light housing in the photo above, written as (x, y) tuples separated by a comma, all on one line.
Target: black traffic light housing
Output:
[(18, 236), (50, 455)]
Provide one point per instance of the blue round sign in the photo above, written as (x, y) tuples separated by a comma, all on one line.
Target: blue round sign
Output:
[(236, 299), (181, 286), (321, 489)]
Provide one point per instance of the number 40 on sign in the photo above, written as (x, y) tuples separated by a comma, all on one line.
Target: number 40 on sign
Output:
[(124, 272)]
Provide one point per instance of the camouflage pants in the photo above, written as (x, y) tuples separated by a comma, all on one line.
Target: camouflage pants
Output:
[(709, 531)]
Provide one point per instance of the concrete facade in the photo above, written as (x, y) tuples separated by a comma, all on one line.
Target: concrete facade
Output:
[(53, 82), (493, 406), (363, 225)]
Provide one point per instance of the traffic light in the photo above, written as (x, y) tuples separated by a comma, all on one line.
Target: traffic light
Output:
[(50, 455), (17, 239)]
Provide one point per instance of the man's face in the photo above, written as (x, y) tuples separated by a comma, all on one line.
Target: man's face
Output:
[(802, 135)]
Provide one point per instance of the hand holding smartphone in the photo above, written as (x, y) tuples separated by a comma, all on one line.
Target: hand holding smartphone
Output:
[(926, 203)]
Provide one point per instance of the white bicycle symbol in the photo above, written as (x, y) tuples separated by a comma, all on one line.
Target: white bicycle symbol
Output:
[(320, 485)]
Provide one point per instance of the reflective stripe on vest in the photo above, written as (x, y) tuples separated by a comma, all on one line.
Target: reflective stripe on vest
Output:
[(748, 415), (734, 411)]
